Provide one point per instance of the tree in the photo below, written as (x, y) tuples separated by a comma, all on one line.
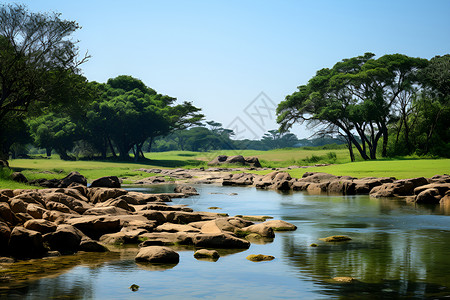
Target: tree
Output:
[(127, 113), (36, 54), (353, 99)]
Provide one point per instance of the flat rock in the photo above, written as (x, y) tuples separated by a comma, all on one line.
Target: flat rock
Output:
[(221, 241), (336, 238), (279, 225), (260, 257), (157, 254), (205, 253)]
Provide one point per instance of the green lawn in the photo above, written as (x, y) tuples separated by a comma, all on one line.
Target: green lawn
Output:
[(399, 168)]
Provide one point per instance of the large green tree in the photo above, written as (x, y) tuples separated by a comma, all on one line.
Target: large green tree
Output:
[(127, 113), (354, 99), (37, 55)]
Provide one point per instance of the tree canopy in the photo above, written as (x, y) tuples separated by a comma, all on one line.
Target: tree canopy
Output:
[(355, 99)]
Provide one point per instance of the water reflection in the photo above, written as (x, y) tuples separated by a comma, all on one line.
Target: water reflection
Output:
[(397, 250)]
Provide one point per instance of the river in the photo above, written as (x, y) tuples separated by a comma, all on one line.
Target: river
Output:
[(397, 251)]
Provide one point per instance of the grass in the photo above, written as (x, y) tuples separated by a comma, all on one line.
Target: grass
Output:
[(399, 168)]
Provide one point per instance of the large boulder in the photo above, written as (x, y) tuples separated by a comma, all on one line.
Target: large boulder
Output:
[(107, 182), (7, 215), (18, 206), (106, 211), (66, 239), (279, 225), (19, 177), (41, 225), (344, 187), (252, 161), (6, 194), (261, 229), (36, 211), (73, 203), (102, 194), (185, 189), (96, 226), (428, 196), (25, 243), (238, 179), (73, 177), (236, 159), (157, 254), (365, 185), (221, 241)]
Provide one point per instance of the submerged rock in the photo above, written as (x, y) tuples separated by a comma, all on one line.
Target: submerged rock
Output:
[(336, 238), (260, 257)]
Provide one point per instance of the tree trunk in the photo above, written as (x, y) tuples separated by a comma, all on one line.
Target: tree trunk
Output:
[(48, 151), (112, 148)]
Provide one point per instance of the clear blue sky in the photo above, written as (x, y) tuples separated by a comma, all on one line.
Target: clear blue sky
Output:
[(222, 54)]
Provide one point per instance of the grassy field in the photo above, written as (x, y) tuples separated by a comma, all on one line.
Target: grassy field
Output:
[(400, 168)]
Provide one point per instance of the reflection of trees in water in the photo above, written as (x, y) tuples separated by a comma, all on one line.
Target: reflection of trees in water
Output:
[(45, 278), (412, 264)]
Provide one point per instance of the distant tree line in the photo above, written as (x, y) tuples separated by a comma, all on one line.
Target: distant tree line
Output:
[(393, 105)]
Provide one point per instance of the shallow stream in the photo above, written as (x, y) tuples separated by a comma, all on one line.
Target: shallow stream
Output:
[(397, 251)]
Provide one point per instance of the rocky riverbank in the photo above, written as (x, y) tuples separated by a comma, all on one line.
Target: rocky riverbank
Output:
[(434, 190), (54, 221)]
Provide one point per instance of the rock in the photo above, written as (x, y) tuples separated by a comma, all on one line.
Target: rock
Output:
[(318, 177), (7, 215), (279, 225), (42, 226), (182, 217), (35, 211), (185, 189), (336, 238), (165, 207), (440, 179), (205, 253), (154, 215), (18, 206), (403, 187), (134, 287), (72, 203), (141, 198), (166, 238), (238, 179), (261, 229), (122, 238), (51, 205), (252, 161), (343, 187), (428, 196), (6, 194), (89, 245), (313, 245), (442, 188), (275, 180), (260, 257), (345, 279), (25, 243), (365, 185), (169, 227), (30, 197), (157, 254), (96, 226), (66, 239), (102, 194), (106, 211), (120, 203), (107, 182), (151, 180), (73, 177), (236, 159), (19, 177), (5, 233), (221, 240)]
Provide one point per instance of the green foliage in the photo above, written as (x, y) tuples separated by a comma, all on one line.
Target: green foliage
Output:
[(355, 100)]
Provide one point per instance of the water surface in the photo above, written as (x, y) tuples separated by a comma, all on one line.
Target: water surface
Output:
[(397, 251)]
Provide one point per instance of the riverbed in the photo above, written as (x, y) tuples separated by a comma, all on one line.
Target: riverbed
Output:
[(397, 251)]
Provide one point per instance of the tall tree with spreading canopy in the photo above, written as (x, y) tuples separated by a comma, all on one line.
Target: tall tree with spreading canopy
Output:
[(36, 55), (354, 99)]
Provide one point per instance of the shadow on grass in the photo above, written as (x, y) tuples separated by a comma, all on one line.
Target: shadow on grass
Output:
[(163, 163)]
